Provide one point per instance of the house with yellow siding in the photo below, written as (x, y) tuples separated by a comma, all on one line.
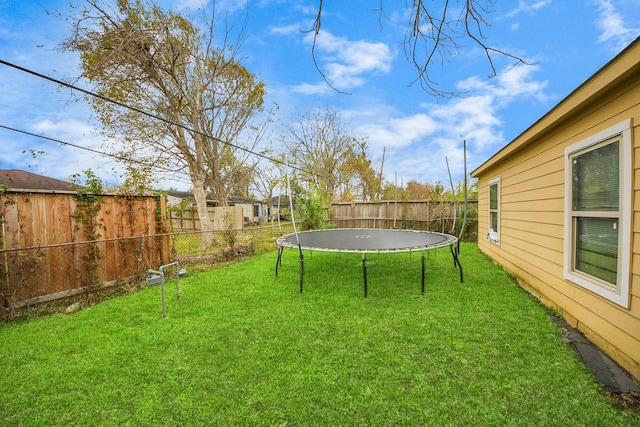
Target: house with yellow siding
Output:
[(559, 208)]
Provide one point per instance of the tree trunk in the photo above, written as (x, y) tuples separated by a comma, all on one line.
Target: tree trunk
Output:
[(200, 196), (221, 194)]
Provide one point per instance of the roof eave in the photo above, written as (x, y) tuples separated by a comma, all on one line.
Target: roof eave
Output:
[(623, 64)]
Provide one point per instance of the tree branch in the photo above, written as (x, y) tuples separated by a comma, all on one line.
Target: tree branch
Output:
[(430, 33)]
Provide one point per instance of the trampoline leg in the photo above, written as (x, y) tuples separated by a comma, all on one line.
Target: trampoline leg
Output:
[(364, 272), (456, 260), (423, 272), (279, 259), (453, 254), (301, 267)]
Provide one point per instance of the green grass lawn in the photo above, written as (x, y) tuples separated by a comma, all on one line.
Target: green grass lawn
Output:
[(244, 348)]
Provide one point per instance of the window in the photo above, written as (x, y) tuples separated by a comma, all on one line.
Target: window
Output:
[(597, 217), (494, 211)]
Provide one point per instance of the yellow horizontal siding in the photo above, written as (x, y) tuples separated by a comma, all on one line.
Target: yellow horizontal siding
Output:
[(543, 207), (540, 236), (535, 168), (635, 285), (536, 189), (532, 223), (536, 217)]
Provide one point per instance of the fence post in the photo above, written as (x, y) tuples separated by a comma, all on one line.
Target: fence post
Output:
[(353, 213)]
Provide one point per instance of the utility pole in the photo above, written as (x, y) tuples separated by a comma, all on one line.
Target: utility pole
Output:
[(384, 150)]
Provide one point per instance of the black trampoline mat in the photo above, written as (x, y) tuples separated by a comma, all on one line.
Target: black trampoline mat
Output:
[(366, 240)]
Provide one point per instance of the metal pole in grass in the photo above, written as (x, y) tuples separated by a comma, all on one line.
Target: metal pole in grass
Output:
[(152, 279), (453, 193), (364, 273), (279, 225), (456, 251), (164, 307), (160, 273), (280, 249), (464, 218), (293, 221)]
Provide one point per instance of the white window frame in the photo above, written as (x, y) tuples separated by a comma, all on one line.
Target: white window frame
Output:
[(494, 235), (618, 293)]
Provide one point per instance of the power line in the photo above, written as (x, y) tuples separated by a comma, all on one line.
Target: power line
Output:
[(137, 110), (102, 153)]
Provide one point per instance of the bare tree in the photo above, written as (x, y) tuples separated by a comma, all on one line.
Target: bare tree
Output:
[(436, 32), (319, 144), (198, 98)]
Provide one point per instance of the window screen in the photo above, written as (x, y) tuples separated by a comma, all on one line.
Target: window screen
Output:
[(595, 203)]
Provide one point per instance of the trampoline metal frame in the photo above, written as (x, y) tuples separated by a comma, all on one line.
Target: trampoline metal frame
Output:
[(451, 241)]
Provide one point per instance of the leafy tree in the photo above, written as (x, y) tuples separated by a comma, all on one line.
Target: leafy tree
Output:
[(137, 181), (188, 96), (438, 192), (472, 190), (394, 192), (418, 191), (312, 210)]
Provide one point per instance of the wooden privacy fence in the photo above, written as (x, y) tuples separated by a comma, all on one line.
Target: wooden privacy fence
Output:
[(51, 247), (413, 214)]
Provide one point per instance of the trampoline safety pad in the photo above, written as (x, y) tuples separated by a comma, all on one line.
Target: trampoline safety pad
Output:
[(366, 240)]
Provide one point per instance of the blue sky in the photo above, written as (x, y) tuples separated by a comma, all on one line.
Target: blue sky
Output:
[(359, 50)]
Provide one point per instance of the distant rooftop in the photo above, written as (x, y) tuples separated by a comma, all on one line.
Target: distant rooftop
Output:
[(21, 180)]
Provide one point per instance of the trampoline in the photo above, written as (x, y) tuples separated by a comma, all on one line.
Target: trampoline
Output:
[(364, 241)]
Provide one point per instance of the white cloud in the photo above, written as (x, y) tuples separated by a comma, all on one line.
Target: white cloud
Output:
[(222, 6), (613, 29), (474, 119), (285, 30), (509, 85), (528, 7), (398, 132), (69, 129), (320, 88), (346, 62), (423, 140), (60, 160)]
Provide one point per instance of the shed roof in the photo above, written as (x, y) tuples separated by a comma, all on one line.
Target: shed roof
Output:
[(625, 65), (17, 179), (281, 200)]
